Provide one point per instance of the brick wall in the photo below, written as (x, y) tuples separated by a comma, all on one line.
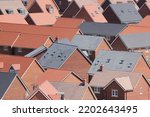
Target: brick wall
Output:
[(71, 10)]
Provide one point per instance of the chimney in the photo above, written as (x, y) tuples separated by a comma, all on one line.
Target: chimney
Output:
[(34, 86), (62, 95), (101, 67), (1, 65), (84, 82), (56, 39)]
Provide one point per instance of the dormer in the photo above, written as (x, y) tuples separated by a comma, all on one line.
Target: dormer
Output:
[(14, 68)]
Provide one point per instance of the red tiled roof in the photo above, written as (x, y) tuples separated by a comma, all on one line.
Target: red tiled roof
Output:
[(27, 40), (68, 22), (8, 38), (132, 29), (145, 21), (46, 18), (41, 30), (53, 75), (9, 60), (13, 18)]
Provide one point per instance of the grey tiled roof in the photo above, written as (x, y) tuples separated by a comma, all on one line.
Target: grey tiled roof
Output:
[(126, 12), (138, 40), (71, 91), (56, 55), (101, 29), (5, 81), (85, 42), (115, 60), (36, 51)]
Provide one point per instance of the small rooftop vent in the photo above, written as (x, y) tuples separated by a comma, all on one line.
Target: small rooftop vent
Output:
[(108, 60), (129, 65), (121, 62)]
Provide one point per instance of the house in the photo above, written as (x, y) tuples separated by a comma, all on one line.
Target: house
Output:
[(68, 22), (28, 69), (10, 85), (145, 9), (18, 44), (71, 91), (117, 13), (58, 75), (66, 57), (45, 6), (44, 91), (120, 61), (11, 18), (118, 85), (63, 4), (47, 19), (54, 32), (102, 29), (145, 21), (138, 42), (16, 7), (90, 45), (91, 13), (106, 3), (75, 6)]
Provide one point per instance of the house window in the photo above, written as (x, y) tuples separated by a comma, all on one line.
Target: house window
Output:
[(139, 50), (51, 9), (108, 38), (147, 50), (21, 11), (9, 11), (89, 52), (97, 90), (114, 93), (147, 58), (19, 50), (5, 48), (131, 50)]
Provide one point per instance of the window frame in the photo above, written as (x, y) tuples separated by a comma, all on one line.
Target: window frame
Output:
[(114, 93), (97, 90)]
